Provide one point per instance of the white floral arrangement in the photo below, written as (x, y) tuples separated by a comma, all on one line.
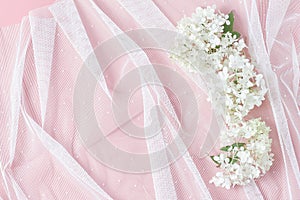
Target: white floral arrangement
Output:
[(208, 45)]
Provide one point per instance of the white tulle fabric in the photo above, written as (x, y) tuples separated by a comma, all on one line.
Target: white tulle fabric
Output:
[(42, 156)]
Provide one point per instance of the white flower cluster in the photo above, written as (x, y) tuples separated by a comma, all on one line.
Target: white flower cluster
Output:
[(208, 45), (246, 158)]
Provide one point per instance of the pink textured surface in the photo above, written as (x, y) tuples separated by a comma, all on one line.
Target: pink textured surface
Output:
[(12, 11), (40, 175)]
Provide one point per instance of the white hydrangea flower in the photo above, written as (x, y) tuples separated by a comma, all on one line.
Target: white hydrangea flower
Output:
[(234, 88), (249, 159)]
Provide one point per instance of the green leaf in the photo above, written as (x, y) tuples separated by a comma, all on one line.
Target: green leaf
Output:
[(232, 161), (229, 28), (212, 157), (237, 34), (238, 145), (235, 159), (226, 148)]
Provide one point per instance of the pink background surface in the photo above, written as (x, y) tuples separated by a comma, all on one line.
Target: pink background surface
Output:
[(12, 11), (42, 175)]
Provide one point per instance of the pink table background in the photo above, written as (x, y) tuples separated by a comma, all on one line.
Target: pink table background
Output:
[(41, 175), (12, 11)]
